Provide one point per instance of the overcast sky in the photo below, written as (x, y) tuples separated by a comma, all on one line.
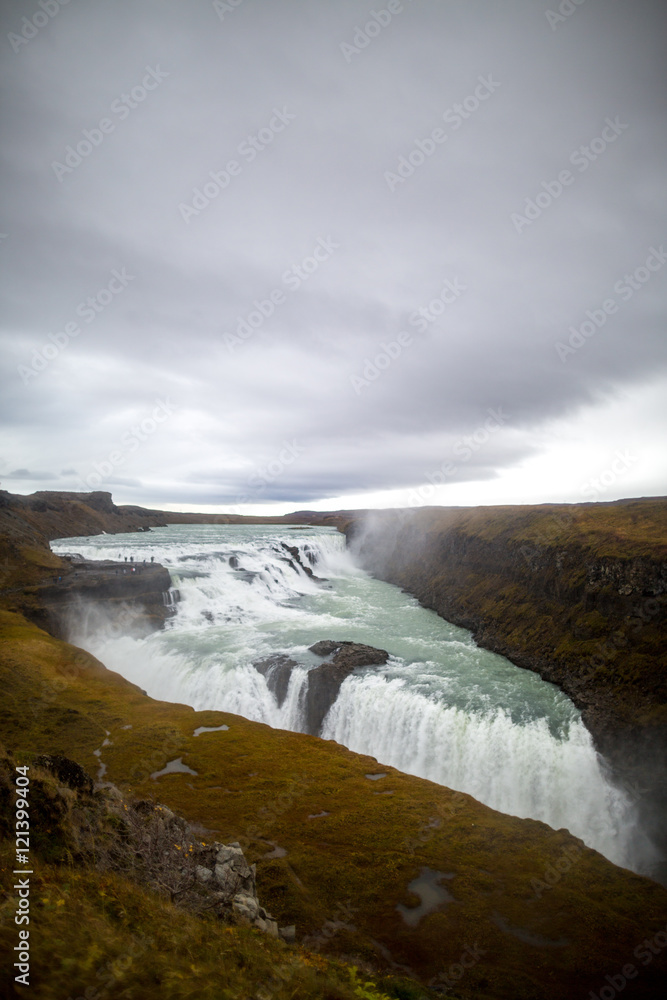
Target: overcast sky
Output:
[(275, 254)]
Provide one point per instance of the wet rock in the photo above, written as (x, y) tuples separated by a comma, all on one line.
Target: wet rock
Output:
[(129, 598), (325, 647), (277, 670), (324, 681), (296, 556), (67, 771)]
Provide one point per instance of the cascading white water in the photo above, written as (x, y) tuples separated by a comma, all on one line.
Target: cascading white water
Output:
[(441, 708), (518, 769)]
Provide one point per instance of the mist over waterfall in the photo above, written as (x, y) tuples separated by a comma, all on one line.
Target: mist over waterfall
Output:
[(440, 708)]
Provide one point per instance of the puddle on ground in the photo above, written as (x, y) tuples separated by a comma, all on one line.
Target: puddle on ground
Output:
[(209, 729), (432, 895), (102, 769), (375, 777), (174, 767), (318, 815), (277, 852)]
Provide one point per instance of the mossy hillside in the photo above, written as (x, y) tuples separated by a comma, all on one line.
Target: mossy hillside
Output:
[(98, 935), (339, 877), (628, 528), (101, 874)]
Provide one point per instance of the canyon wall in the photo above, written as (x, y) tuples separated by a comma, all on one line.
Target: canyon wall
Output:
[(577, 593)]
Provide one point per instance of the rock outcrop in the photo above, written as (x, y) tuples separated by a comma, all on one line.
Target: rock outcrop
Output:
[(127, 597), (140, 839), (296, 560), (277, 670), (324, 681)]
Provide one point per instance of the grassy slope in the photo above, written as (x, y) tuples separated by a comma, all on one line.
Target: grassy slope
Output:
[(351, 867)]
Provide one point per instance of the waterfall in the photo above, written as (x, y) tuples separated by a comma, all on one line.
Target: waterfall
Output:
[(440, 708)]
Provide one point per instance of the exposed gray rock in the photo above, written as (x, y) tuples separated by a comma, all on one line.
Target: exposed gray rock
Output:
[(324, 682), (246, 905), (296, 557), (324, 647), (277, 670), (233, 882)]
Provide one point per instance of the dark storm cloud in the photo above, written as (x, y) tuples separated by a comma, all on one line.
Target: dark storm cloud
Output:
[(256, 218)]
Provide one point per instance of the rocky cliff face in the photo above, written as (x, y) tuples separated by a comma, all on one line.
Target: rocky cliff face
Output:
[(51, 590), (92, 595)]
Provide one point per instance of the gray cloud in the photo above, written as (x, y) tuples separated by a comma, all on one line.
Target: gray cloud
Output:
[(28, 475), (241, 318)]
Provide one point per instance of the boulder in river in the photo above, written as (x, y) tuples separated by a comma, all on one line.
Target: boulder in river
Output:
[(324, 681), (277, 669)]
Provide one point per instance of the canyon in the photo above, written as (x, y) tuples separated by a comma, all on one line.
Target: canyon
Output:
[(349, 850)]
